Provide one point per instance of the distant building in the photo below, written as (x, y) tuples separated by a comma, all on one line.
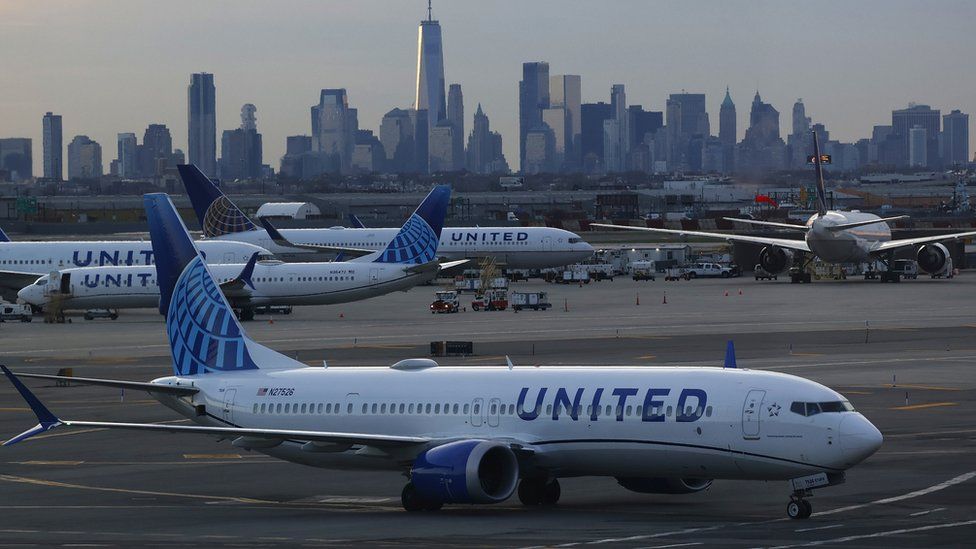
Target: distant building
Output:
[(533, 99), (557, 120), (539, 150), (686, 119), (201, 111), (565, 92), (620, 132), (299, 162), (918, 147), (592, 116), (762, 149), (923, 116), (128, 156), (442, 147), (641, 123), (156, 152), (955, 138), (84, 158), (612, 152), (479, 143), (455, 116), (242, 150), (368, 155), (397, 135), (334, 126), (53, 147), (800, 140), (16, 159), (727, 127), (430, 70)]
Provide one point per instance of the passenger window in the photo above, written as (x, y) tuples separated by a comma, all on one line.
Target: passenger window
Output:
[(455, 409), (549, 410), (374, 408), (466, 408), (477, 409), (263, 408), (303, 407), (383, 408), (401, 407), (669, 411), (629, 409), (365, 406), (437, 408), (410, 410), (609, 410), (511, 409), (255, 408), (328, 408), (349, 408), (708, 411), (427, 408), (493, 408), (287, 408)]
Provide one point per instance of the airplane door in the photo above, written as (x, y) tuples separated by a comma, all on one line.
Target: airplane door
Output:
[(477, 409), (65, 288), (374, 275), (493, 412), (751, 414), (352, 402), (547, 243), (228, 410)]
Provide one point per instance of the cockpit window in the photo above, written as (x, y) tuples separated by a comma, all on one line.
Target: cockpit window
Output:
[(41, 282), (808, 409), (575, 240)]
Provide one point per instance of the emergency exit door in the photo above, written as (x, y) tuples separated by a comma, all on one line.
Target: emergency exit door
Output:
[(752, 414)]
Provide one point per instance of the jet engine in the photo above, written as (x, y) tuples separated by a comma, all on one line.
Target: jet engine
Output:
[(665, 485), (466, 471), (775, 260), (932, 258)]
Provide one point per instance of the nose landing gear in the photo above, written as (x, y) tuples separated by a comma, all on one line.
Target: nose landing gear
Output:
[(798, 508)]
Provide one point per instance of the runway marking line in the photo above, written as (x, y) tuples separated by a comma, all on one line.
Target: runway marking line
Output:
[(923, 387), (55, 484), (211, 456), (917, 493), (806, 354), (689, 544), (883, 534), (925, 406), (827, 527), (51, 462), (647, 357), (920, 513)]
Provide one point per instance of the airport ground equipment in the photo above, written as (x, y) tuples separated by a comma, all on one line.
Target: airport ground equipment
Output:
[(709, 270), (92, 314), (763, 274), (642, 274), (445, 301), (10, 312), (537, 301), (672, 274), (478, 434), (490, 300)]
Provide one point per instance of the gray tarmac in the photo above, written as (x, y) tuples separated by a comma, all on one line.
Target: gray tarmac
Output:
[(903, 353)]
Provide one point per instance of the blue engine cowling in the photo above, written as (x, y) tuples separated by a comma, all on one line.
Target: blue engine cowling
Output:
[(664, 485), (466, 471)]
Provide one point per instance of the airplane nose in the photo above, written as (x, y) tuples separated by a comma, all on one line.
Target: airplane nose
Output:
[(24, 295), (859, 438)]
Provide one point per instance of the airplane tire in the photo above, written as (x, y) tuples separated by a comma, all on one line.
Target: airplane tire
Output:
[(551, 493), (793, 509), (530, 492), (410, 500)]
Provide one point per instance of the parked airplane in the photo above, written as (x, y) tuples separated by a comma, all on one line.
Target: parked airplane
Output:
[(511, 247), (21, 263), (832, 235), (263, 283), (479, 434)]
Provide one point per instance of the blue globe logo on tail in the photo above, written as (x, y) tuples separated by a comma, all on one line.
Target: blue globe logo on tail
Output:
[(204, 335), (418, 238), (224, 217)]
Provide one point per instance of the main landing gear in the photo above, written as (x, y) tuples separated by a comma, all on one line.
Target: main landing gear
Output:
[(539, 491), (412, 501)]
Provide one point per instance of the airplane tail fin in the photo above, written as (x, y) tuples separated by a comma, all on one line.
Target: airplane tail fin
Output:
[(217, 214), (819, 160), (4, 237), (418, 238), (203, 332)]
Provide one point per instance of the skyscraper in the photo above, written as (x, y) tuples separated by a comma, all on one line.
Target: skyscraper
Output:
[(397, 136), (53, 147), (156, 151), (955, 138), (479, 143), (201, 112), (128, 156), (917, 147), (442, 147), (592, 116), (762, 149), (903, 120), (533, 98), (801, 124), (686, 118), (84, 158), (616, 156), (565, 92), (241, 150), (334, 126), (727, 131), (430, 70), (455, 116), (16, 158)]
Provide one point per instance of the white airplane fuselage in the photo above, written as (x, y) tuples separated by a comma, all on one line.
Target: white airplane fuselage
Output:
[(275, 283), (512, 247), (702, 423), (848, 245)]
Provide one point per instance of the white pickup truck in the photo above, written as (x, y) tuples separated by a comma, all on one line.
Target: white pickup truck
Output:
[(701, 270)]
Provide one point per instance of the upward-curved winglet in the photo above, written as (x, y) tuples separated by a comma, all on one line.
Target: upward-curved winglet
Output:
[(730, 355), (45, 419), (4, 237)]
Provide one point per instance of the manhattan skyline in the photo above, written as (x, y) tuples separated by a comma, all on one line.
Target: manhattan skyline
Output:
[(113, 67)]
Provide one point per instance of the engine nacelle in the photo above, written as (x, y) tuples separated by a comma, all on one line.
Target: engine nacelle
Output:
[(665, 485), (932, 258), (466, 471), (775, 260)]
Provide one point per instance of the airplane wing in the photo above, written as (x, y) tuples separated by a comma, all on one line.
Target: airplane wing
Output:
[(791, 226), (280, 240), (895, 244), (11, 282), (135, 385), (799, 245)]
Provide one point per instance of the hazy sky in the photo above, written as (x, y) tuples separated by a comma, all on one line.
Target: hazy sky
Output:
[(111, 66)]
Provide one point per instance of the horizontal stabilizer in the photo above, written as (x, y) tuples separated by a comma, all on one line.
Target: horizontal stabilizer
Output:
[(280, 240), (845, 226)]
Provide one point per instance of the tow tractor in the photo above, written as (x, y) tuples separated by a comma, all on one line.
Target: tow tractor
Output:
[(491, 300), (445, 302)]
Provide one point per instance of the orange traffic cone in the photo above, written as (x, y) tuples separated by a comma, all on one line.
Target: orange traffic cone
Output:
[(270, 321), (726, 293), (342, 315), (638, 299), (665, 302), (740, 291)]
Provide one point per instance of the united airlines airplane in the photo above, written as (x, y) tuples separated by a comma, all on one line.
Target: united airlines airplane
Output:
[(480, 434), (511, 247), (21, 263), (832, 235), (413, 261)]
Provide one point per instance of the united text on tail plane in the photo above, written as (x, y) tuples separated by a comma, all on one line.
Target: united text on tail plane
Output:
[(512, 247), (410, 258), (479, 434), (832, 235)]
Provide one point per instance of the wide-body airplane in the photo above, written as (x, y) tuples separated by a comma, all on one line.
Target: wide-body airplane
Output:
[(480, 434), (832, 235), (509, 247), (268, 282), (21, 263)]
